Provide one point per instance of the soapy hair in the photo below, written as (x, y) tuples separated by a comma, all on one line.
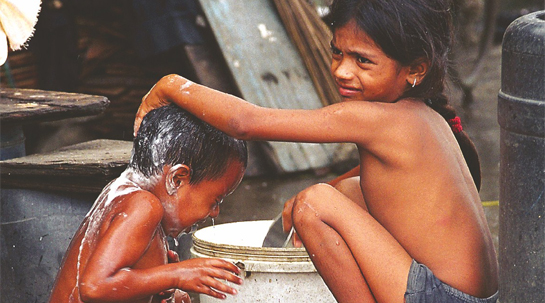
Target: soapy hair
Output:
[(408, 31), (170, 135)]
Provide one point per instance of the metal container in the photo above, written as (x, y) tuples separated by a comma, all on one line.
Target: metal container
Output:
[(12, 142), (270, 274), (43, 200)]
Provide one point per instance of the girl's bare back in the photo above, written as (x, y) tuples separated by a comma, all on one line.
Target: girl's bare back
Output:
[(416, 184)]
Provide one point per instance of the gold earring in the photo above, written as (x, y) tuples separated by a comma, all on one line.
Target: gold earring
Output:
[(414, 83)]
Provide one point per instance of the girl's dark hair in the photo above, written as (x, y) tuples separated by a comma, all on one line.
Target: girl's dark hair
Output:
[(408, 31), (171, 135)]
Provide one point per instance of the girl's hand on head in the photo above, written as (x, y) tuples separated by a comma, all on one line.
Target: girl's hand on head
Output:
[(202, 275), (153, 99)]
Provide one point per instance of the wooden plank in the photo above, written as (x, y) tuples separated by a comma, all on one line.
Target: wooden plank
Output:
[(268, 70), (100, 160), (209, 68), (19, 106)]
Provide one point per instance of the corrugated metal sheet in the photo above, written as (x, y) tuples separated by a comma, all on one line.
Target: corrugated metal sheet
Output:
[(268, 70)]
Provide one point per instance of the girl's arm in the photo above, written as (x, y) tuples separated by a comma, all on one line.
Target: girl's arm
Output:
[(109, 274), (354, 172), (342, 122)]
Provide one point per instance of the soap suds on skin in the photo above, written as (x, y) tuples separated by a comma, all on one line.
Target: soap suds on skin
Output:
[(185, 86), (128, 182)]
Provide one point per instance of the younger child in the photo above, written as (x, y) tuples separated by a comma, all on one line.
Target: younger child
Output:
[(407, 225), (179, 172)]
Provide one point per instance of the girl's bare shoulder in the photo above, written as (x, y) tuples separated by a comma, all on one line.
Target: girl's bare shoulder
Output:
[(383, 116)]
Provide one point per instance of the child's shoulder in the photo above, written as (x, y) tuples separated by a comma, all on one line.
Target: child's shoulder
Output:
[(139, 201), (143, 198)]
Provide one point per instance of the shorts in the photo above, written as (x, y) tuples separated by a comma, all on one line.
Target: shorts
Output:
[(424, 287)]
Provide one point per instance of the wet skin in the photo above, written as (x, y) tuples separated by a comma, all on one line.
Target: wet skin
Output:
[(129, 260), (412, 197)]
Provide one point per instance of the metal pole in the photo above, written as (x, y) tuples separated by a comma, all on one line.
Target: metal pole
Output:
[(521, 115)]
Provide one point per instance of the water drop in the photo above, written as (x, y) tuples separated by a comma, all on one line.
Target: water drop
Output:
[(213, 223), (337, 243), (176, 243)]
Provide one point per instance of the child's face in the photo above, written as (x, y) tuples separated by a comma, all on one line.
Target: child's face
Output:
[(194, 203), (362, 71)]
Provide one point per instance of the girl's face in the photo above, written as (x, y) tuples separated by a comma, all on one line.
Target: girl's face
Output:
[(362, 71), (194, 203)]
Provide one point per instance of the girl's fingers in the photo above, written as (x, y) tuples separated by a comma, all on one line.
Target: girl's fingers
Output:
[(142, 111), (296, 240), (286, 215)]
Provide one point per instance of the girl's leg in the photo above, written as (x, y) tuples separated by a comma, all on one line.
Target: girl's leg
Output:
[(351, 188), (351, 250)]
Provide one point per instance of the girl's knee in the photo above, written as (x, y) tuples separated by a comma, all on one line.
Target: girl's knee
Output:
[(309, 202)]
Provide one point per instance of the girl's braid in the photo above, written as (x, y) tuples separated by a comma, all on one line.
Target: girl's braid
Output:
[(440, 105)]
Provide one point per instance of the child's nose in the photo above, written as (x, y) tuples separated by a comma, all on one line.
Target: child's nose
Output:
[(342, 70)]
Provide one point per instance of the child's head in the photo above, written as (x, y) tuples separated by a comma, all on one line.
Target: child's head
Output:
[(169, 136), (190, 165), (406, 31)]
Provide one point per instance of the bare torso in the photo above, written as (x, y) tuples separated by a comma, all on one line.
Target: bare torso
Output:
[(423, 194), (90, 232)]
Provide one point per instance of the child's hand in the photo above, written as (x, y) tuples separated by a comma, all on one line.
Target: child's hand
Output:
[(181, 297), (203, 275), (175, 296)]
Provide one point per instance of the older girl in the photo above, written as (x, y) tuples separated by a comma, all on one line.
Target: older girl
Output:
[(407, 224)]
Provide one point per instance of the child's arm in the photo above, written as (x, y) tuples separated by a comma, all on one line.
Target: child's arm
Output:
[(109, 274), (341, 122)]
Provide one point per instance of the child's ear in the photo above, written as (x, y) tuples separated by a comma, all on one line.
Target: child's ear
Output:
[(178, 175), (417, 71)]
